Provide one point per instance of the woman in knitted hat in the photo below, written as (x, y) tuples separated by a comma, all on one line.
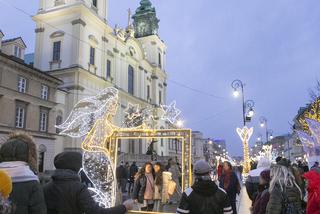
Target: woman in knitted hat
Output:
[(18, 157), (5, 190), (261, 200)]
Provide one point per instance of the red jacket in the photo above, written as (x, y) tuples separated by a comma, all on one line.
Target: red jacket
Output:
[(313, 178)]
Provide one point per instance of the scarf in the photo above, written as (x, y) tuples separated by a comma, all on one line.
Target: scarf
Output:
[(19, 171), (148, 194), (227, 179)]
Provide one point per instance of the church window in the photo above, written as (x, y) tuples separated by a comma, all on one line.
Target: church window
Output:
[(160, 62), (92, 53), (56, 51), (108, 69), (148, 92), (58, 122), (130, 80), (95, 3), (160, 97)]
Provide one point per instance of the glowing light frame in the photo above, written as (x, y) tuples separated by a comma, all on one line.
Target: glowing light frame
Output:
[(182, 134)]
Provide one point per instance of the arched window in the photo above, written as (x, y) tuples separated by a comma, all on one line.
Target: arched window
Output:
[(59, 120), (160, 61), (130, 80), (95, 3)]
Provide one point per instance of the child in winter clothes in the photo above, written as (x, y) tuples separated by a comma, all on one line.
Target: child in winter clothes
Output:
[(5, 190)]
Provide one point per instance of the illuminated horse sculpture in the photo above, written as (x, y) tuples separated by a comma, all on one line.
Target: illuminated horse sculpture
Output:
[(91, 117)]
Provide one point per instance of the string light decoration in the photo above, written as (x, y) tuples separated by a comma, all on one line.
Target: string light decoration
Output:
[(311, 142), (312, 112), (99, 167), (171, 113), (91, 117), (245, 134), (87, 111), (314, 127), (134, 116)]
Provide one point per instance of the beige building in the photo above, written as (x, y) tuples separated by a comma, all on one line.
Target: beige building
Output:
[(27, 101)]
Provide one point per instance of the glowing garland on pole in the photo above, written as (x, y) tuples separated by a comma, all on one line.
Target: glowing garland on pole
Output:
[(245, 134), (91, 117)]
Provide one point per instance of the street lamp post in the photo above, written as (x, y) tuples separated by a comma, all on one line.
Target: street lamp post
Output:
[(247, 113), (269, 132)]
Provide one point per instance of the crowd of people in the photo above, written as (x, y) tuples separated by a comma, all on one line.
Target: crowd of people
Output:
[(276, 188)]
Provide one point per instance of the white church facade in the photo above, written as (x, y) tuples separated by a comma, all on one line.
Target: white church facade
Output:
[(75, 44)]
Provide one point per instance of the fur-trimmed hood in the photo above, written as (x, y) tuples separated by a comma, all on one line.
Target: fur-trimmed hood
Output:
[(20, 147)]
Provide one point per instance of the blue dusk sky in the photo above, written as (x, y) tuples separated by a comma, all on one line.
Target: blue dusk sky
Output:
[(272, 46)]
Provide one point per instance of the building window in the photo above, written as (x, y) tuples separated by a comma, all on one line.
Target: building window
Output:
[(17, 51), (108, 69), (160, 62), (20, 116), (42, 151), (56, 51), (44, 92), (22, 84), (92, 53), (148, 92), (95, 3), (130, 80), (43, 120), (160, 97), (58, 122)]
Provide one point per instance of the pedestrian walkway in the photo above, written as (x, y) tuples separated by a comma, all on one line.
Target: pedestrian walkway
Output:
[(243, 202)]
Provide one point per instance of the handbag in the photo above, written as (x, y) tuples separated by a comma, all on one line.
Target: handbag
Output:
[(171, 187)]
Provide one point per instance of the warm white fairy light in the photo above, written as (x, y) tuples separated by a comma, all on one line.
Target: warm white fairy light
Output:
[(87, 111), (98, 167), (171, 113), (91, 117)]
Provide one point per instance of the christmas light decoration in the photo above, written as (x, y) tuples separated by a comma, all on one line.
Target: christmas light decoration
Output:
[(98, 167), (314, 127), (92, 116), (245, 134), (170, 112), (87, 111)]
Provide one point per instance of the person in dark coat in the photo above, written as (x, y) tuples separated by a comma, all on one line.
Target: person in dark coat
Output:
[(230, 183), (261, 201), (132, 172), (204, 196), (122, 176), (18, 157), (143, 191), (252, 182), (284, 190), (65, 194)]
